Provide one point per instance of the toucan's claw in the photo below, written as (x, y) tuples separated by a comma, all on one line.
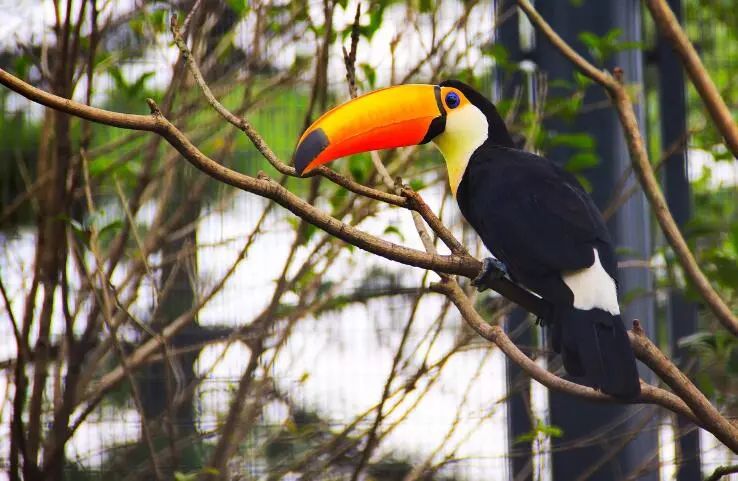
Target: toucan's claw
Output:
[(492, 269)]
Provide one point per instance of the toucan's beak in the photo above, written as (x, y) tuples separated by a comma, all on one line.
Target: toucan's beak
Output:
[(383, 119)]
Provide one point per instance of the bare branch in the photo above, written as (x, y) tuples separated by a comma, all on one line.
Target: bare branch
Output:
[(716, 423), (245, 126), (349, 58), (669, 27), (721, 471), (266, 187), (649, 394)]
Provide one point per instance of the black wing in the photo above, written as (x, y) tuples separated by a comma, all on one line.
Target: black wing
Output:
[(532, 215)]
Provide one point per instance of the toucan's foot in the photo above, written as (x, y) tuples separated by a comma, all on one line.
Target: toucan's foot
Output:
[(492, 269)]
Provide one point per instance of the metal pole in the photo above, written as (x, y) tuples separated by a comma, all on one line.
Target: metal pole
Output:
[(604, 442), (682, 313), (518, 382)]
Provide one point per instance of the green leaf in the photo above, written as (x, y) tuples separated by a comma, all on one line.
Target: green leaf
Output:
[(137, 87), (696, 339), (239, 7), (369, 73), (192, 476), (586, 184), (417, 185), (360, 166), (376, 14), (582, 80), (498, 52), (338, 197), (179, 476), (425, 6), (732, 364), (158, 20), (734, 238), (21, 65), (590, 39), (579, 141), (581, 161), (549, 431), (120, 82), (309, 231), (704, 382), (602, 47), (391, 229), (560, 83)]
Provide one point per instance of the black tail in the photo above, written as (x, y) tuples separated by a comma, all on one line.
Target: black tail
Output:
[(595, 345)]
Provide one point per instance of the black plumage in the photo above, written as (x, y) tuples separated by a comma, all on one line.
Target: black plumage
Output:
[(537, 219)]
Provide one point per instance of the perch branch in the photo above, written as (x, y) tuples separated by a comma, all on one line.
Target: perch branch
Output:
[(683, 387), (495, 334)]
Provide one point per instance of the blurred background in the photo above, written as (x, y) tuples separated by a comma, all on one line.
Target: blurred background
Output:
[(254, 342)]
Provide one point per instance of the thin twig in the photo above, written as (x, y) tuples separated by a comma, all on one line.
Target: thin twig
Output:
[(104, 299), (188, 19), (245, 126), (372, 436), (669, 27), (349, 58), (721, 471)]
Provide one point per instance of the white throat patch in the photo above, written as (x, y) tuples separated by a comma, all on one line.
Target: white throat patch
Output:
[(593, 287), (466, 129)]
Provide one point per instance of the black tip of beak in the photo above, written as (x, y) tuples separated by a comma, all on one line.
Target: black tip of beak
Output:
[(315, 143)]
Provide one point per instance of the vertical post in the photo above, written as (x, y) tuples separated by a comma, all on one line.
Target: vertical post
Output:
[(604, 442), (518, 382), (519, 420), (682, 313)]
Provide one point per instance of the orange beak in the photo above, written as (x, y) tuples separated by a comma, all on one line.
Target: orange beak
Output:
[(383, 119)]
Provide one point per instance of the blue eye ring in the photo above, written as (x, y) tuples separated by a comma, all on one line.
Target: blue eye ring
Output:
[(452, 100)]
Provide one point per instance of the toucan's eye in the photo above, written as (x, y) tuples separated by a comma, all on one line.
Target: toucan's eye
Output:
[(452, 100)]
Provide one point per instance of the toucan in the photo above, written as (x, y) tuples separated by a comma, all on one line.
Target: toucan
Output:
[(543, 228)]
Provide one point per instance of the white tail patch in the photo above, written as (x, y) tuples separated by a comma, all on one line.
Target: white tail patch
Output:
[(593, 287)]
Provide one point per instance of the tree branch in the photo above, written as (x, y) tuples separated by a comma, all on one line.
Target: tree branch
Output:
[(494, 333), (683, 387), (264, 186), (245, 126), (721, 471), (669, 27)]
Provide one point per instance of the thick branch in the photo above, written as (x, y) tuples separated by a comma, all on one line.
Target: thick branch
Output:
[(266, 187), (494, 333), (669, 27), (114, 119), (683, 387)]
